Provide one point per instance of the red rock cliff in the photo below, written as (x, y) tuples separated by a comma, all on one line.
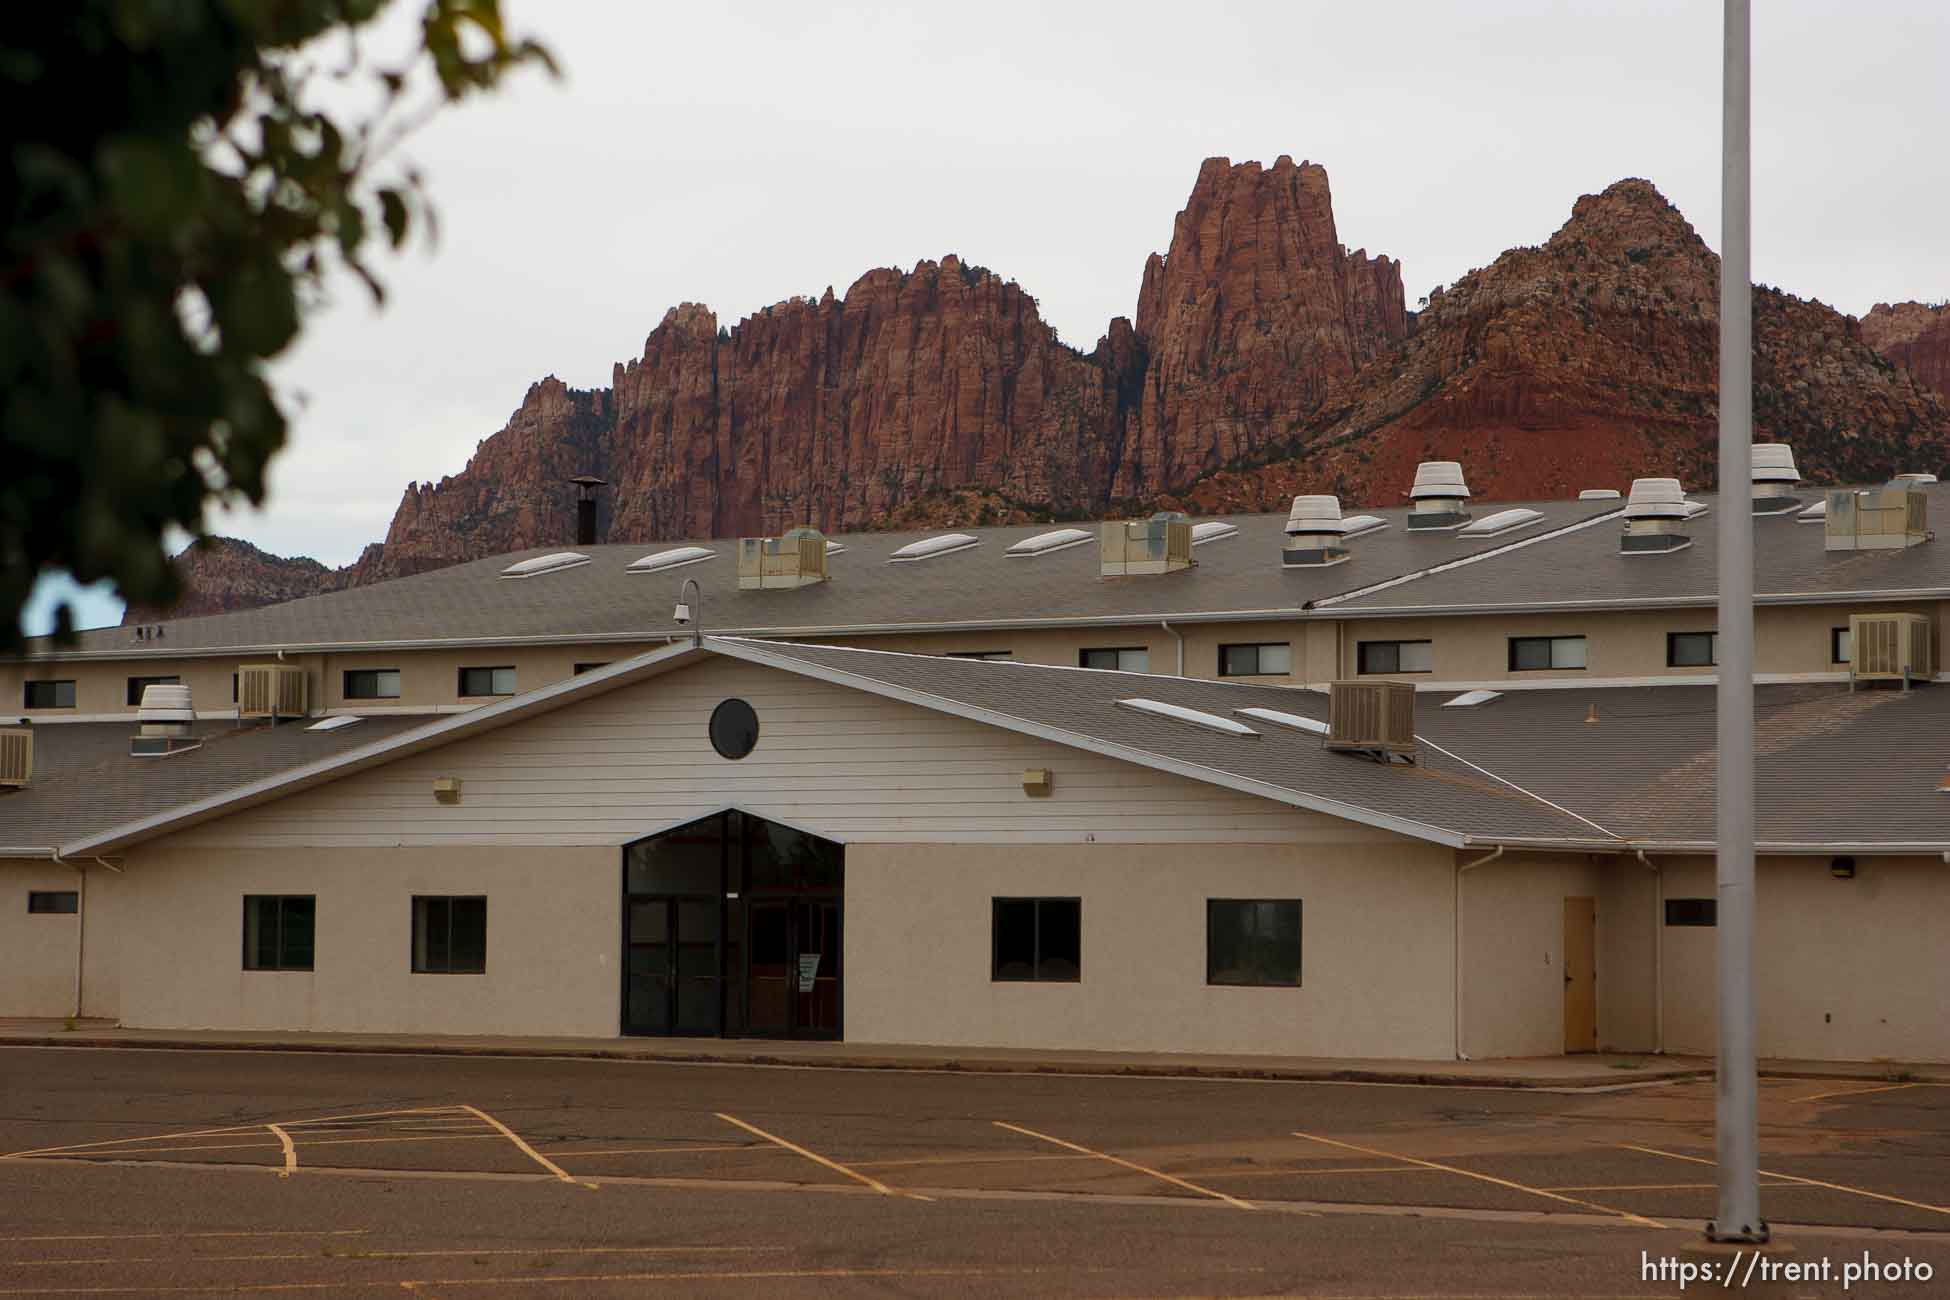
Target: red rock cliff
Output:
[(1915, 337)]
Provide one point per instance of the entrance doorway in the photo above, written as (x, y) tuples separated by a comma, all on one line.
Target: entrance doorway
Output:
[(1580, 975), (731, 926)]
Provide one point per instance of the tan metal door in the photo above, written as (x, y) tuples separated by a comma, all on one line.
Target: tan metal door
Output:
[(1580, 975)]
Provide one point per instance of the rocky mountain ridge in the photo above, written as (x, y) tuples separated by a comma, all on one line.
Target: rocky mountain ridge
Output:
[(1266, 359)]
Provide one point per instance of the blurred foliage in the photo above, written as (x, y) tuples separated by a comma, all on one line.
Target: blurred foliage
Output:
[(174, 198)]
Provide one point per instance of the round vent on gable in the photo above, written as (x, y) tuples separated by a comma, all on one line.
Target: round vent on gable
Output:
[(734, 729)]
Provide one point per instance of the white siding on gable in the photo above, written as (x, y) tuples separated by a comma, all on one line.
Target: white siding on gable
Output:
[(835, 761)]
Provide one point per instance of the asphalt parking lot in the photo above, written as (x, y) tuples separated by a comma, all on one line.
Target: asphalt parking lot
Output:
[(167, 1172)]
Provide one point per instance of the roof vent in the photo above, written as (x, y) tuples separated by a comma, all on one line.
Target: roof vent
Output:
[(586, 485), (1503, 521), (1359, 524), (1655, 513), (675, 558), (1213, 530), (1599, 494), (929, 547), (164, 722), (1774, 474), (1160, 544), (1876, 519), (1059, 539), (16, 756), (335, 723), (270, 691), (1314, 533), (1470, 699), (1914, 477), (1194, 717), (795, 559), (541, 564), (1376, 718), (1890, 647), (1440, 496)]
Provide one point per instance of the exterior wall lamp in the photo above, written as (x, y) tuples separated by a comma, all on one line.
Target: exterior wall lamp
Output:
[(1842, 868), (690, 610)]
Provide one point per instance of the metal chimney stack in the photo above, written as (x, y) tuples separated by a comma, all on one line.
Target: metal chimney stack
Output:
[(586, 485)]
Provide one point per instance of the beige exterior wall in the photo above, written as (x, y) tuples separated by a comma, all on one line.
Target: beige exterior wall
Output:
[(37, 952), (1376, 961), (1513, 953), (1849, 970)]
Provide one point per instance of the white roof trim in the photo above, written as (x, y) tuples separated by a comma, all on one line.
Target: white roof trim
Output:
[(1334, 600)]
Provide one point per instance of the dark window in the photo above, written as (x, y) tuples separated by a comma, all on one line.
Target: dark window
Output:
[(1841, 645), (1252, 941), (734, 729), (449, 936), (137, 685), (1128, 659), (48, 695), (1395, 657), (978, 654), (53, 900), (1255, 660), (1692, 911), (486, 681), (233, 688), (278, 931), (1528, 653), (372, 683), (590, 668), (1691, 650), (1038, 939)]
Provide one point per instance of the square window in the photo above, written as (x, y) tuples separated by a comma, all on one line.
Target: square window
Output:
[(278, 931), (994, 656), (1037, 940), (1691, 649), (137, 685), (1267, 660), (1692, 911), (52, 901), (1567, 652), (1841, 645), (1125, 659), (372, 683), (449, 935), (1252, 941), (487, 681), (47, 695)]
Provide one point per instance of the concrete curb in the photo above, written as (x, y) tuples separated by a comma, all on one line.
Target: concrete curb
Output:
[(866, 1061)]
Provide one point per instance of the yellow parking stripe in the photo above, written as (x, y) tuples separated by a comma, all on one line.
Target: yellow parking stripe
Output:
[(1794, 1178), (818, 1159), (1233, 1201)]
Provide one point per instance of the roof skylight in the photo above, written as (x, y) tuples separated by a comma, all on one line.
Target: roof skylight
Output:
[(1213, 530), (1470, 699), (1355, 525), (1696, 508), (1179, 713), (1059, 539), (1502, 521), (929, 547), (334, 723), (675, 558), (834, 548), (545, 564), (1598, 494), (1814, 514), (1291, 721)]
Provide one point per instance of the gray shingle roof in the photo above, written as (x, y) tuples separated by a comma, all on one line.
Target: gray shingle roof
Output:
[(1585, 568), (84, 779), (977, 587)]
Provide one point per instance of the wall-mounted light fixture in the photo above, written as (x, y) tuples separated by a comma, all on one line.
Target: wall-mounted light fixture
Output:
[(446, 789), (1037, 782), (1842, 868)]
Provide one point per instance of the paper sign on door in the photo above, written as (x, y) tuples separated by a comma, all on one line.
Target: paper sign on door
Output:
[(808, 968)]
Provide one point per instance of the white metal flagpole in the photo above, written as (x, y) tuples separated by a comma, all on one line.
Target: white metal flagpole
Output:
[(1736, 1126)]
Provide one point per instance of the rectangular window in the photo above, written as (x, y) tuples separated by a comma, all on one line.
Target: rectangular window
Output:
[(995, 656), (590, 668), (1528, 653), (233, 688), (1038, 939), (1841, 645), (449, 936), (372, 683), (53, 900), (48, 695), (137, 685), (1394, 657), (1692, 911), (1692, 649), (1125, 659), (278, 931), (486, 681), (1252, 941), (1267, 660)]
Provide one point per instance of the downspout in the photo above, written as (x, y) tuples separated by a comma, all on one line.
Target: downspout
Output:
[(1181, 644), (1457, 945), (80, 926), (1658, 952)]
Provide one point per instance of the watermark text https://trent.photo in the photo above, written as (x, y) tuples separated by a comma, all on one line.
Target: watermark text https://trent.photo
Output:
[(1750, 1267)]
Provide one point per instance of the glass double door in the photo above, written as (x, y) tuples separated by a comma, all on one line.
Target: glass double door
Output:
[(794, 978), (672, 965)]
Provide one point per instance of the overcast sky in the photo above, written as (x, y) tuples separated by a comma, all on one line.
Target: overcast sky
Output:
[(736, 154)]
